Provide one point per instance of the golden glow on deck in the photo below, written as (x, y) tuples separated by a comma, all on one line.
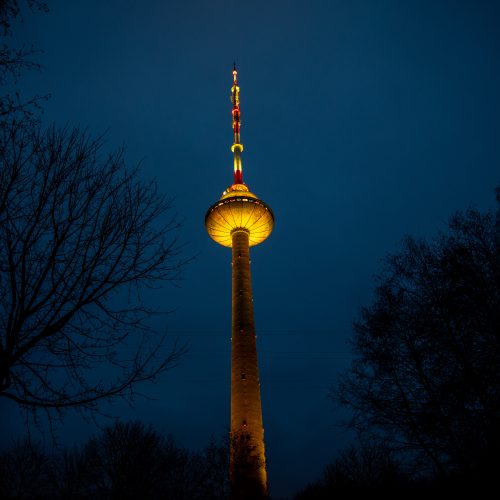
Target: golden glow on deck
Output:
[(237, 190), (238, 208)]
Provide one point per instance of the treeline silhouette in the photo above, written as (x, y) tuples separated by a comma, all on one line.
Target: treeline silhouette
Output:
[(424, 384), (124, 461)]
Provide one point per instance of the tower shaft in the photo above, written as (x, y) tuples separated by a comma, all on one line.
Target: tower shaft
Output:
[(248, 462)]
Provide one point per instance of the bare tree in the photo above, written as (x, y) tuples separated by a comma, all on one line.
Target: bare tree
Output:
[(16, 59), (427, 351), (214, 470), (367, 468), (81, 236), (127, 460), (132, 460), (25, 472), (245, 468)]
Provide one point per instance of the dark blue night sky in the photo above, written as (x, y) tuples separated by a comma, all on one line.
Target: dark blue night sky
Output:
[(362, 121)]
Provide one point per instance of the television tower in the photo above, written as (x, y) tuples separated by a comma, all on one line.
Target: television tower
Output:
[(240, 220)]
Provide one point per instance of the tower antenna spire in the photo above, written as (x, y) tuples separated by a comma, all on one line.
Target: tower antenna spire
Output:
[(237, 147)]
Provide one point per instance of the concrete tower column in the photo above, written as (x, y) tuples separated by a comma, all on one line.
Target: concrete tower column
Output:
[(248, 461)]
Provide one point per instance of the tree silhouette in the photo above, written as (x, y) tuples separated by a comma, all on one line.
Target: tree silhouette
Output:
[(132, 460), (81, 236), (123, 461), (211, 468), (25, 472), (425, 375), (246, 468), (367, 468), (15, 60), (129, 461)]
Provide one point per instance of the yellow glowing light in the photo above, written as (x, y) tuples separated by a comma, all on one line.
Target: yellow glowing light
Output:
[(236, 190), (239, 146), (238, 208)]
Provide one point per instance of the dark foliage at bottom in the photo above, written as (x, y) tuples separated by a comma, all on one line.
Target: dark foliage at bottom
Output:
[(126, 461)]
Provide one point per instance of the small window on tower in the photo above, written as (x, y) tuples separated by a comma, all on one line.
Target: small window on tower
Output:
[(243, 376)]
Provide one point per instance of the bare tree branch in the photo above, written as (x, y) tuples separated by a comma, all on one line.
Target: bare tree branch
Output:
[(425, 373), (78, 230)]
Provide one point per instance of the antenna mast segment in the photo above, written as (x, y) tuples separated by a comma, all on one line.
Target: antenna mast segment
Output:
[(237, 147)]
